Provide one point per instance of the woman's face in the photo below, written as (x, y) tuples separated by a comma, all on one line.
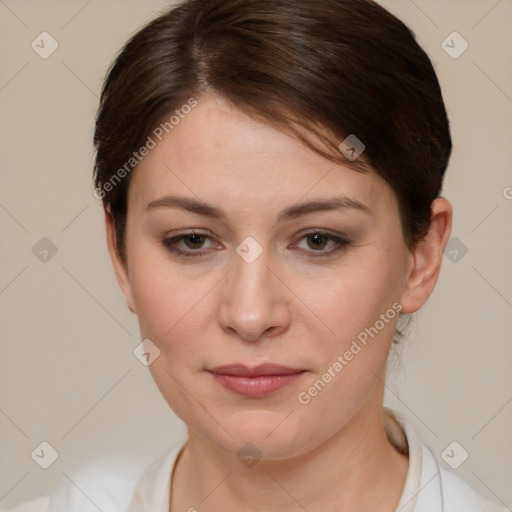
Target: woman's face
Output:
[(245, 272)]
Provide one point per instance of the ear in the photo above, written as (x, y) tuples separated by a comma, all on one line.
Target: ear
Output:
[(427, 257), (120, 267)]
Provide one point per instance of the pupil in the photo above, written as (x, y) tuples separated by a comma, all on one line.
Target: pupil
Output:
[(317, 239), (195, 239)]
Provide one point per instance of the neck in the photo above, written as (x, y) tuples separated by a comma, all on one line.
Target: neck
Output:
[(357, 465)]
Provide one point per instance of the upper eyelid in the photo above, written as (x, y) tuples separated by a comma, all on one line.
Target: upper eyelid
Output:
[(301, 234)]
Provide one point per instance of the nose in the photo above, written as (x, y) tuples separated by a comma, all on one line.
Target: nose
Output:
[(255, 304)]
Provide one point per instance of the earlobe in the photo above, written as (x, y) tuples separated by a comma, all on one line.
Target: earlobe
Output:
[(427, 258), (120, 266)]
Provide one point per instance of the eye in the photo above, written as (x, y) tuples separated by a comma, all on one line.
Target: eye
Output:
[(191, 241), (319, 240), (192, 244)]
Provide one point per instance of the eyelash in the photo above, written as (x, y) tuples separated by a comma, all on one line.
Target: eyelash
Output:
[(169, 243)]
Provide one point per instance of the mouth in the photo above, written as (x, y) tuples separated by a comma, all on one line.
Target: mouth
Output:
[(256, 381)]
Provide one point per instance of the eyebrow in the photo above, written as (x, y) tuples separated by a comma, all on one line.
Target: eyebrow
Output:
[(207, 210)]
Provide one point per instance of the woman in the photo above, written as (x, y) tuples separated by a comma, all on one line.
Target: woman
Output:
[(271, 173)]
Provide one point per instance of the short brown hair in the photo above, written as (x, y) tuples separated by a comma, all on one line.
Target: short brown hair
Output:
[(330, 68)]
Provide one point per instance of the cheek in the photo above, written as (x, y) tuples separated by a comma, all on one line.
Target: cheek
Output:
[(352, 359), (157, 292), (166, 306), (170, 310), (352, 298)]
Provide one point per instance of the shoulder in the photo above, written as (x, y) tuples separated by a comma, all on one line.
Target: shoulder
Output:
[(430, 486), (106, 484), (455, 493), (459, 496), (40, 504), (92, 488)]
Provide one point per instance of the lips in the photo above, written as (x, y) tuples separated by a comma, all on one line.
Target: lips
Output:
[(255, 381), (255, 371)]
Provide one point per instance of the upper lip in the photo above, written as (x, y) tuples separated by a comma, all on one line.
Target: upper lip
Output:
[(254, 371)]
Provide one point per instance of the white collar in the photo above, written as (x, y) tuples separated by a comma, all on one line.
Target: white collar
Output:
[(422, 490)]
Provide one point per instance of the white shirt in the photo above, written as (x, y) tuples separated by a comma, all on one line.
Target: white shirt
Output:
[(428, 486)]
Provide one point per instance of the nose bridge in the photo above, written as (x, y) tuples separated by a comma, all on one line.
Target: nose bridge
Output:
[(251, 268), (254, 301)]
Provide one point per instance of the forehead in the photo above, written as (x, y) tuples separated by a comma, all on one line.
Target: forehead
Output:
[(218, 152)]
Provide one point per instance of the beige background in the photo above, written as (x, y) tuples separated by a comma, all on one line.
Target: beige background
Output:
[(67, 372)]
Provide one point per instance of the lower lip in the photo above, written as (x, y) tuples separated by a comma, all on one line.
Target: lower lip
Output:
[(255, 386)]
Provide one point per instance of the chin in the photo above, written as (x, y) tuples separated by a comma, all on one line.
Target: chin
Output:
[(271, 435)]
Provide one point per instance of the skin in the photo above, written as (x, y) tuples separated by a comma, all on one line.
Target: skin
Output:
[(285, 307)]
